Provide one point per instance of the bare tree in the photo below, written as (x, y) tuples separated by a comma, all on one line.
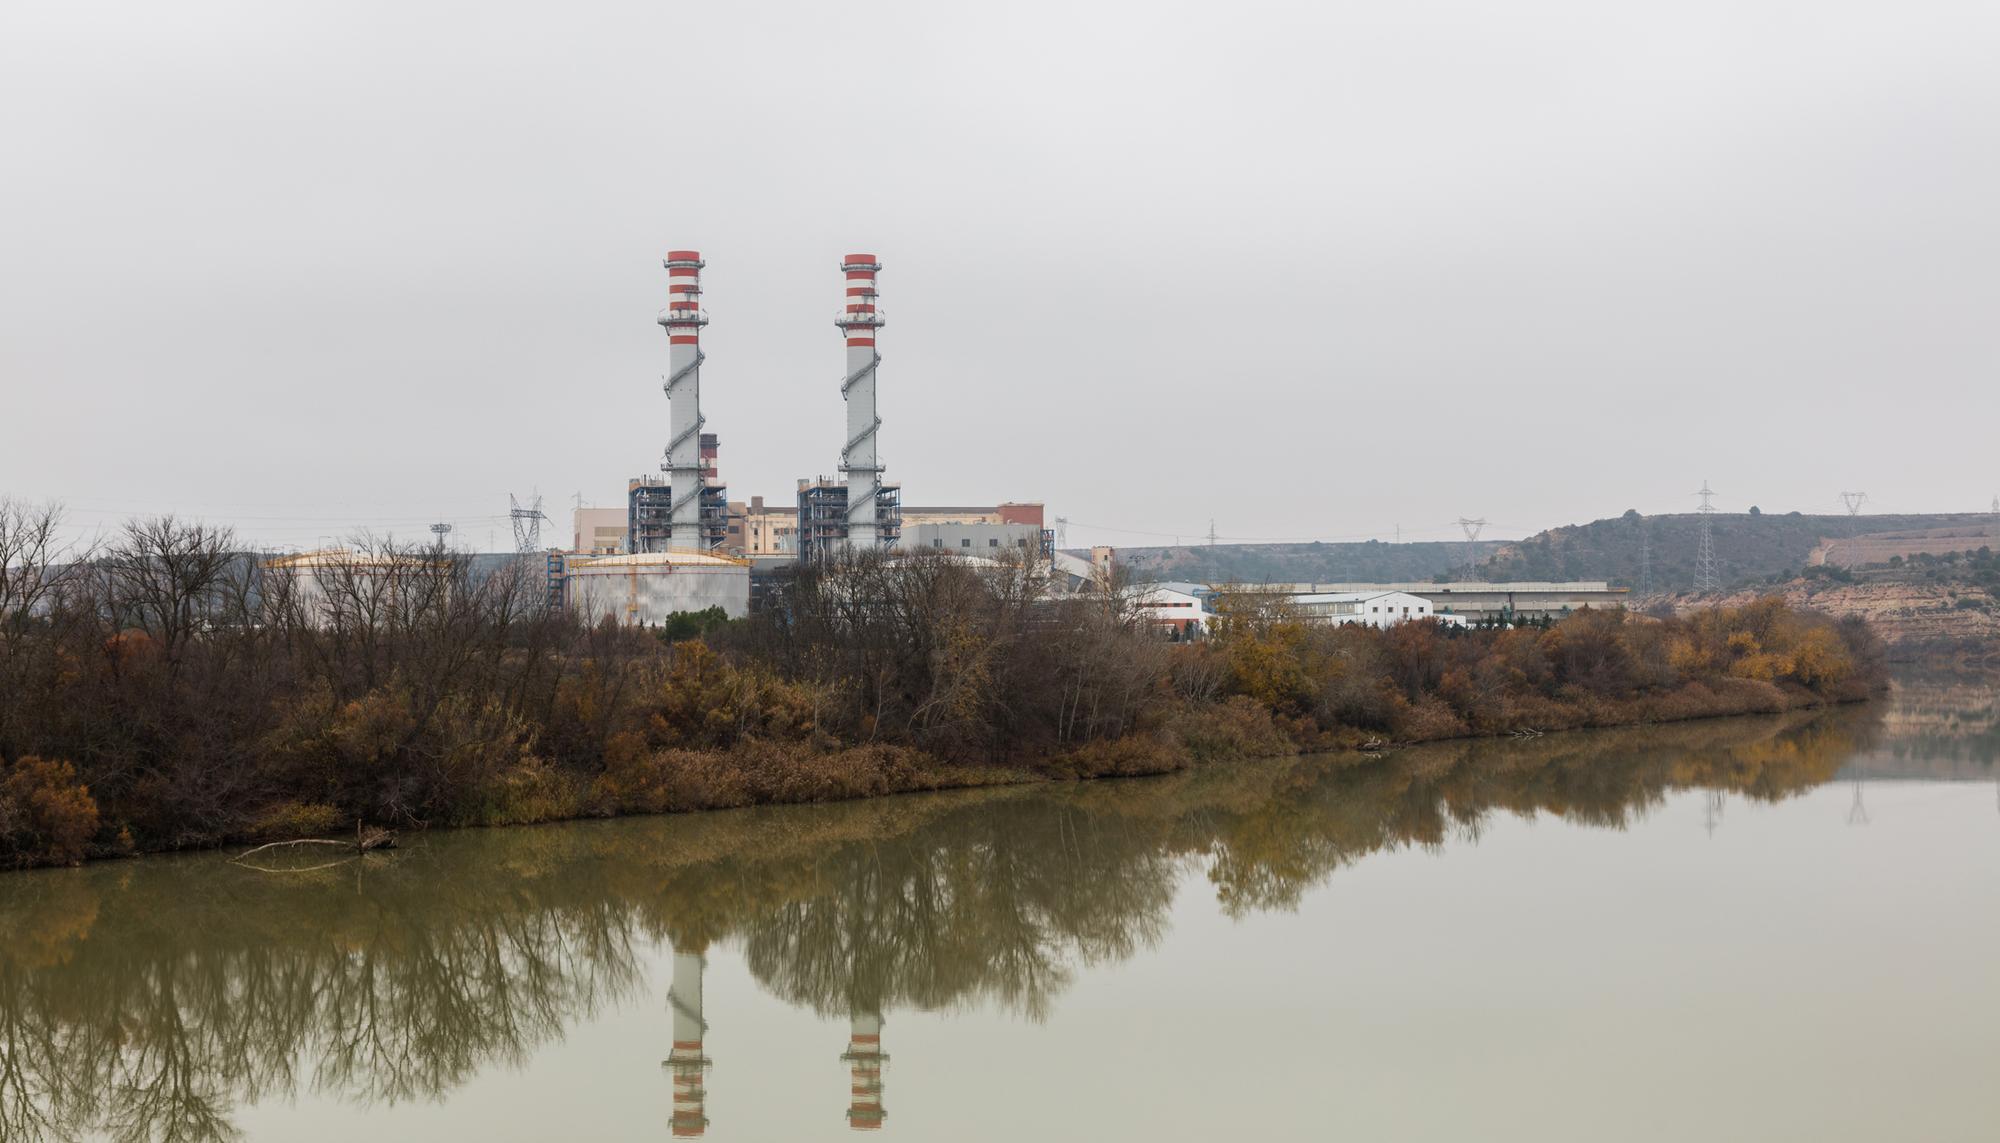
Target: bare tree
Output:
[(169, 578), (36, 566)]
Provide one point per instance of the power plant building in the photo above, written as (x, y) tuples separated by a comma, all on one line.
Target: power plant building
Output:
[(682, 545)]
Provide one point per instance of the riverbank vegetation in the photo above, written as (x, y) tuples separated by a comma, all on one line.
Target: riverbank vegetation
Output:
[(167, 692), (160, 999)]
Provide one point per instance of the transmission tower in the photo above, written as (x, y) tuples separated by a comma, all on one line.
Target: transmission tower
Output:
[(440, 530), (1062, 531), (1706, 578), (1211, 531), (1854, 501), (1645, 558), (527, 522), (1472, 529)]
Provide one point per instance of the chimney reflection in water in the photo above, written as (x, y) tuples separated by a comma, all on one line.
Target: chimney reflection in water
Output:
[(865, 1058), (686, 1061)]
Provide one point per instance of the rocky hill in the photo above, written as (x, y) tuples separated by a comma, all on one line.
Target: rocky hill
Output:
[(1925, 604), (1910, 617)]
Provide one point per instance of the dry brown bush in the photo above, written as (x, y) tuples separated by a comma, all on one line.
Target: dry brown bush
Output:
[(47, 816)]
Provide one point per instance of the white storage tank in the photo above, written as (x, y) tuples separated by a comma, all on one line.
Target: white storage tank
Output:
[(645, 589)]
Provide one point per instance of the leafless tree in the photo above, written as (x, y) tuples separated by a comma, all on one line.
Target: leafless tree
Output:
[(36, 567), (169, 578)]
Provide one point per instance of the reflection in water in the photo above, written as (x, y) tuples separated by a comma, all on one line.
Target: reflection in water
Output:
[(147, 1000), (686, 1062), (865, 1058)]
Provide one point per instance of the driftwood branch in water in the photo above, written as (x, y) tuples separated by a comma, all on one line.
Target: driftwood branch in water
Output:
[(365, 839)]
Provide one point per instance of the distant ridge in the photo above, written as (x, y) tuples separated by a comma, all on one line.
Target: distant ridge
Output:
[(1750, 549), (1371, 562)]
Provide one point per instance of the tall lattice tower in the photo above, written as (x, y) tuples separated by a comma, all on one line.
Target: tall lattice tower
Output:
[(1706, 576), (527, 520), (1472, 528), (1645, 557)]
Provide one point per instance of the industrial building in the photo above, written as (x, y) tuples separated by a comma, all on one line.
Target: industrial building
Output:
[(600, 531), (335, 586), (1179, 609), (757, 529), (1011, 512), (767, 529), (972, 539), (1470, 600), (1367, 608)]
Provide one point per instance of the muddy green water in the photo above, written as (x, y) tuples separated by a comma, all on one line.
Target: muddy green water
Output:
[(1754, 929)]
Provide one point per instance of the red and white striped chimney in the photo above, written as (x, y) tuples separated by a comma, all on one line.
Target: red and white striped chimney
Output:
[(859, 321), (683, 319), (865, 1058), (686, 1063)]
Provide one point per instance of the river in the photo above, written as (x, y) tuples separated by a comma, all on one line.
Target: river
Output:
[(1770, 928)]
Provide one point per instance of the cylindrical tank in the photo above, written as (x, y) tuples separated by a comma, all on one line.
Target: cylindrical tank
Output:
[(647, 588)]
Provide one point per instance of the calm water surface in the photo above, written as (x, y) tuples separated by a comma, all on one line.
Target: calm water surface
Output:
[(1755, 929)]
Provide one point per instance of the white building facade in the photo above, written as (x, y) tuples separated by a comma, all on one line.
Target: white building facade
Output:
[(1175, 609), (1368, 608)]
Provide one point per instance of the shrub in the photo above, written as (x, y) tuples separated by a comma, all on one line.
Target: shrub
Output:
[(295, 819), (47, 816), (1236, 727)]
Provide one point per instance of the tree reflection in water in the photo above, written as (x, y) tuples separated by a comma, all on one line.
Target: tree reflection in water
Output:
[(146, 1000)]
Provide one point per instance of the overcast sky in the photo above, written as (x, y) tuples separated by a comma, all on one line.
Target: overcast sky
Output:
[(1310, 270)]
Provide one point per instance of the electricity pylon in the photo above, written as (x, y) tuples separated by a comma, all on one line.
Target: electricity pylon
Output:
[(1645, 558), (1706, 578), (1472, 529), (527, 523)]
